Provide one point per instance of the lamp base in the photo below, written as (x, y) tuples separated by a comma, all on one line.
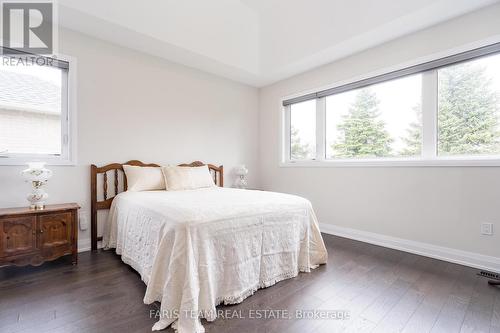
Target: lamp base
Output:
[(37, 207), (37, 198), (241, 182)]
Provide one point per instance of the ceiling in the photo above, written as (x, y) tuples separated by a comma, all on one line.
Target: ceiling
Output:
[(256, 42)]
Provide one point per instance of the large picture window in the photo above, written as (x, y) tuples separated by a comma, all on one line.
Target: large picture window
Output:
[(444, 111), (34, 115)]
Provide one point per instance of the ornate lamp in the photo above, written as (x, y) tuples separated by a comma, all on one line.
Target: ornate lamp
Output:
[(241, 171), (38, 175)]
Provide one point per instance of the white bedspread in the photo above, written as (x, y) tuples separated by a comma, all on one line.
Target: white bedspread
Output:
[(198, 248)]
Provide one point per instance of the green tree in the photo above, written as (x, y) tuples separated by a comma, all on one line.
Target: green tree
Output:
[(413, 139), (468, 111), (298, 149), (362, 133)]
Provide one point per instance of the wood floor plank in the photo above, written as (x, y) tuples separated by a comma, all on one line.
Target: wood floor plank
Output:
[(384, 303), (395, 320), (359, 295), (452, 314), (480, 311), (495, 317), (440, 285)]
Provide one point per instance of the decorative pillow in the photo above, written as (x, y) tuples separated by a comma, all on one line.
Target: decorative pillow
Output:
[(144, 178), (187, 178)]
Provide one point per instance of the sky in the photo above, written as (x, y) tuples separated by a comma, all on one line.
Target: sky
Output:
[(397, 100)]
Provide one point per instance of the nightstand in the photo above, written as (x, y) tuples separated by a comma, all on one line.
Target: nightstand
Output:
[(31, 237)]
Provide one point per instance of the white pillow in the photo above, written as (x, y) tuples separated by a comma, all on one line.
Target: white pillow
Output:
[(187, 178), (144, 178)]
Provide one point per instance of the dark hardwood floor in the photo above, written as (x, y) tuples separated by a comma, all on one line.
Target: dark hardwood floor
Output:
[(383, 290)]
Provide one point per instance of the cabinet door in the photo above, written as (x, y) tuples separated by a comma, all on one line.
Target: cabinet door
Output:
[(55, 231), (18, 235)]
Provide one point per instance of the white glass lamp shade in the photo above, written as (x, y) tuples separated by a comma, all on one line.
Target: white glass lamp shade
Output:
[(241, 170), (36, 172)]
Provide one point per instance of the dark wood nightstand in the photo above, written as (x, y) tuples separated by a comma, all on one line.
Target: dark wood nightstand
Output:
[(31, 237)]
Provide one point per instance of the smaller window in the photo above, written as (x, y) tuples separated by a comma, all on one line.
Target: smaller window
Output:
[(303, 130), (34, 118)]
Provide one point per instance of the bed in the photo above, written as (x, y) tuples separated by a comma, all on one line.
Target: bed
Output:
[(195, 249)]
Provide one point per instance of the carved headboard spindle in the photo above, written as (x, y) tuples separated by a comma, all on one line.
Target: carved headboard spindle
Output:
[(125, 186), (105, 185), (116, 181)]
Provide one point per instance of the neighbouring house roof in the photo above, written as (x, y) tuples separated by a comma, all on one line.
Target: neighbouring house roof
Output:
[(19, 91)]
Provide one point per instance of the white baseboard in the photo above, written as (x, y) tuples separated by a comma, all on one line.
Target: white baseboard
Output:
[(466, 258), (84, 245)]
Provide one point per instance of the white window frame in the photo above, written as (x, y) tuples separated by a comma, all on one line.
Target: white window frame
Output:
[(429, 156), (68, 127)]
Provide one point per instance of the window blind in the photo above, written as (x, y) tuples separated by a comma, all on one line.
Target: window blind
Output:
[(434, 64)]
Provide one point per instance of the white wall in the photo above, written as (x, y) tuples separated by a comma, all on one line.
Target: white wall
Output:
[(440, 206), (135, 106)]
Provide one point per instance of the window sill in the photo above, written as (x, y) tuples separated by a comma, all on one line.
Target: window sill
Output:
[(23, 160), (441, 162)]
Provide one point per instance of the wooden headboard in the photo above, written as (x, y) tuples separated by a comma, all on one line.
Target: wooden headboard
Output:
[(119, 182)]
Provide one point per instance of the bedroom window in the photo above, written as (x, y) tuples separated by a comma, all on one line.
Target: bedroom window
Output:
[(34, 112), (441, 112)]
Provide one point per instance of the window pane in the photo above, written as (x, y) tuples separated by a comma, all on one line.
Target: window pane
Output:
[(382, 120), (30, 109), (469, 108), (303, 130)]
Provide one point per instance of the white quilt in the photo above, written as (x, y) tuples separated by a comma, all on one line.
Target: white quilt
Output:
[(195, 249)]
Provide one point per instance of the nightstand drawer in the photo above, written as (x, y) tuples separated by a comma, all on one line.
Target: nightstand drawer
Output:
[(55, 230), (17, 236)]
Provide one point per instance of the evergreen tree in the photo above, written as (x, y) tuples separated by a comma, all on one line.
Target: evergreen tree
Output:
[(413, 140), (468, 111), (299, 150), (363, 134)]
